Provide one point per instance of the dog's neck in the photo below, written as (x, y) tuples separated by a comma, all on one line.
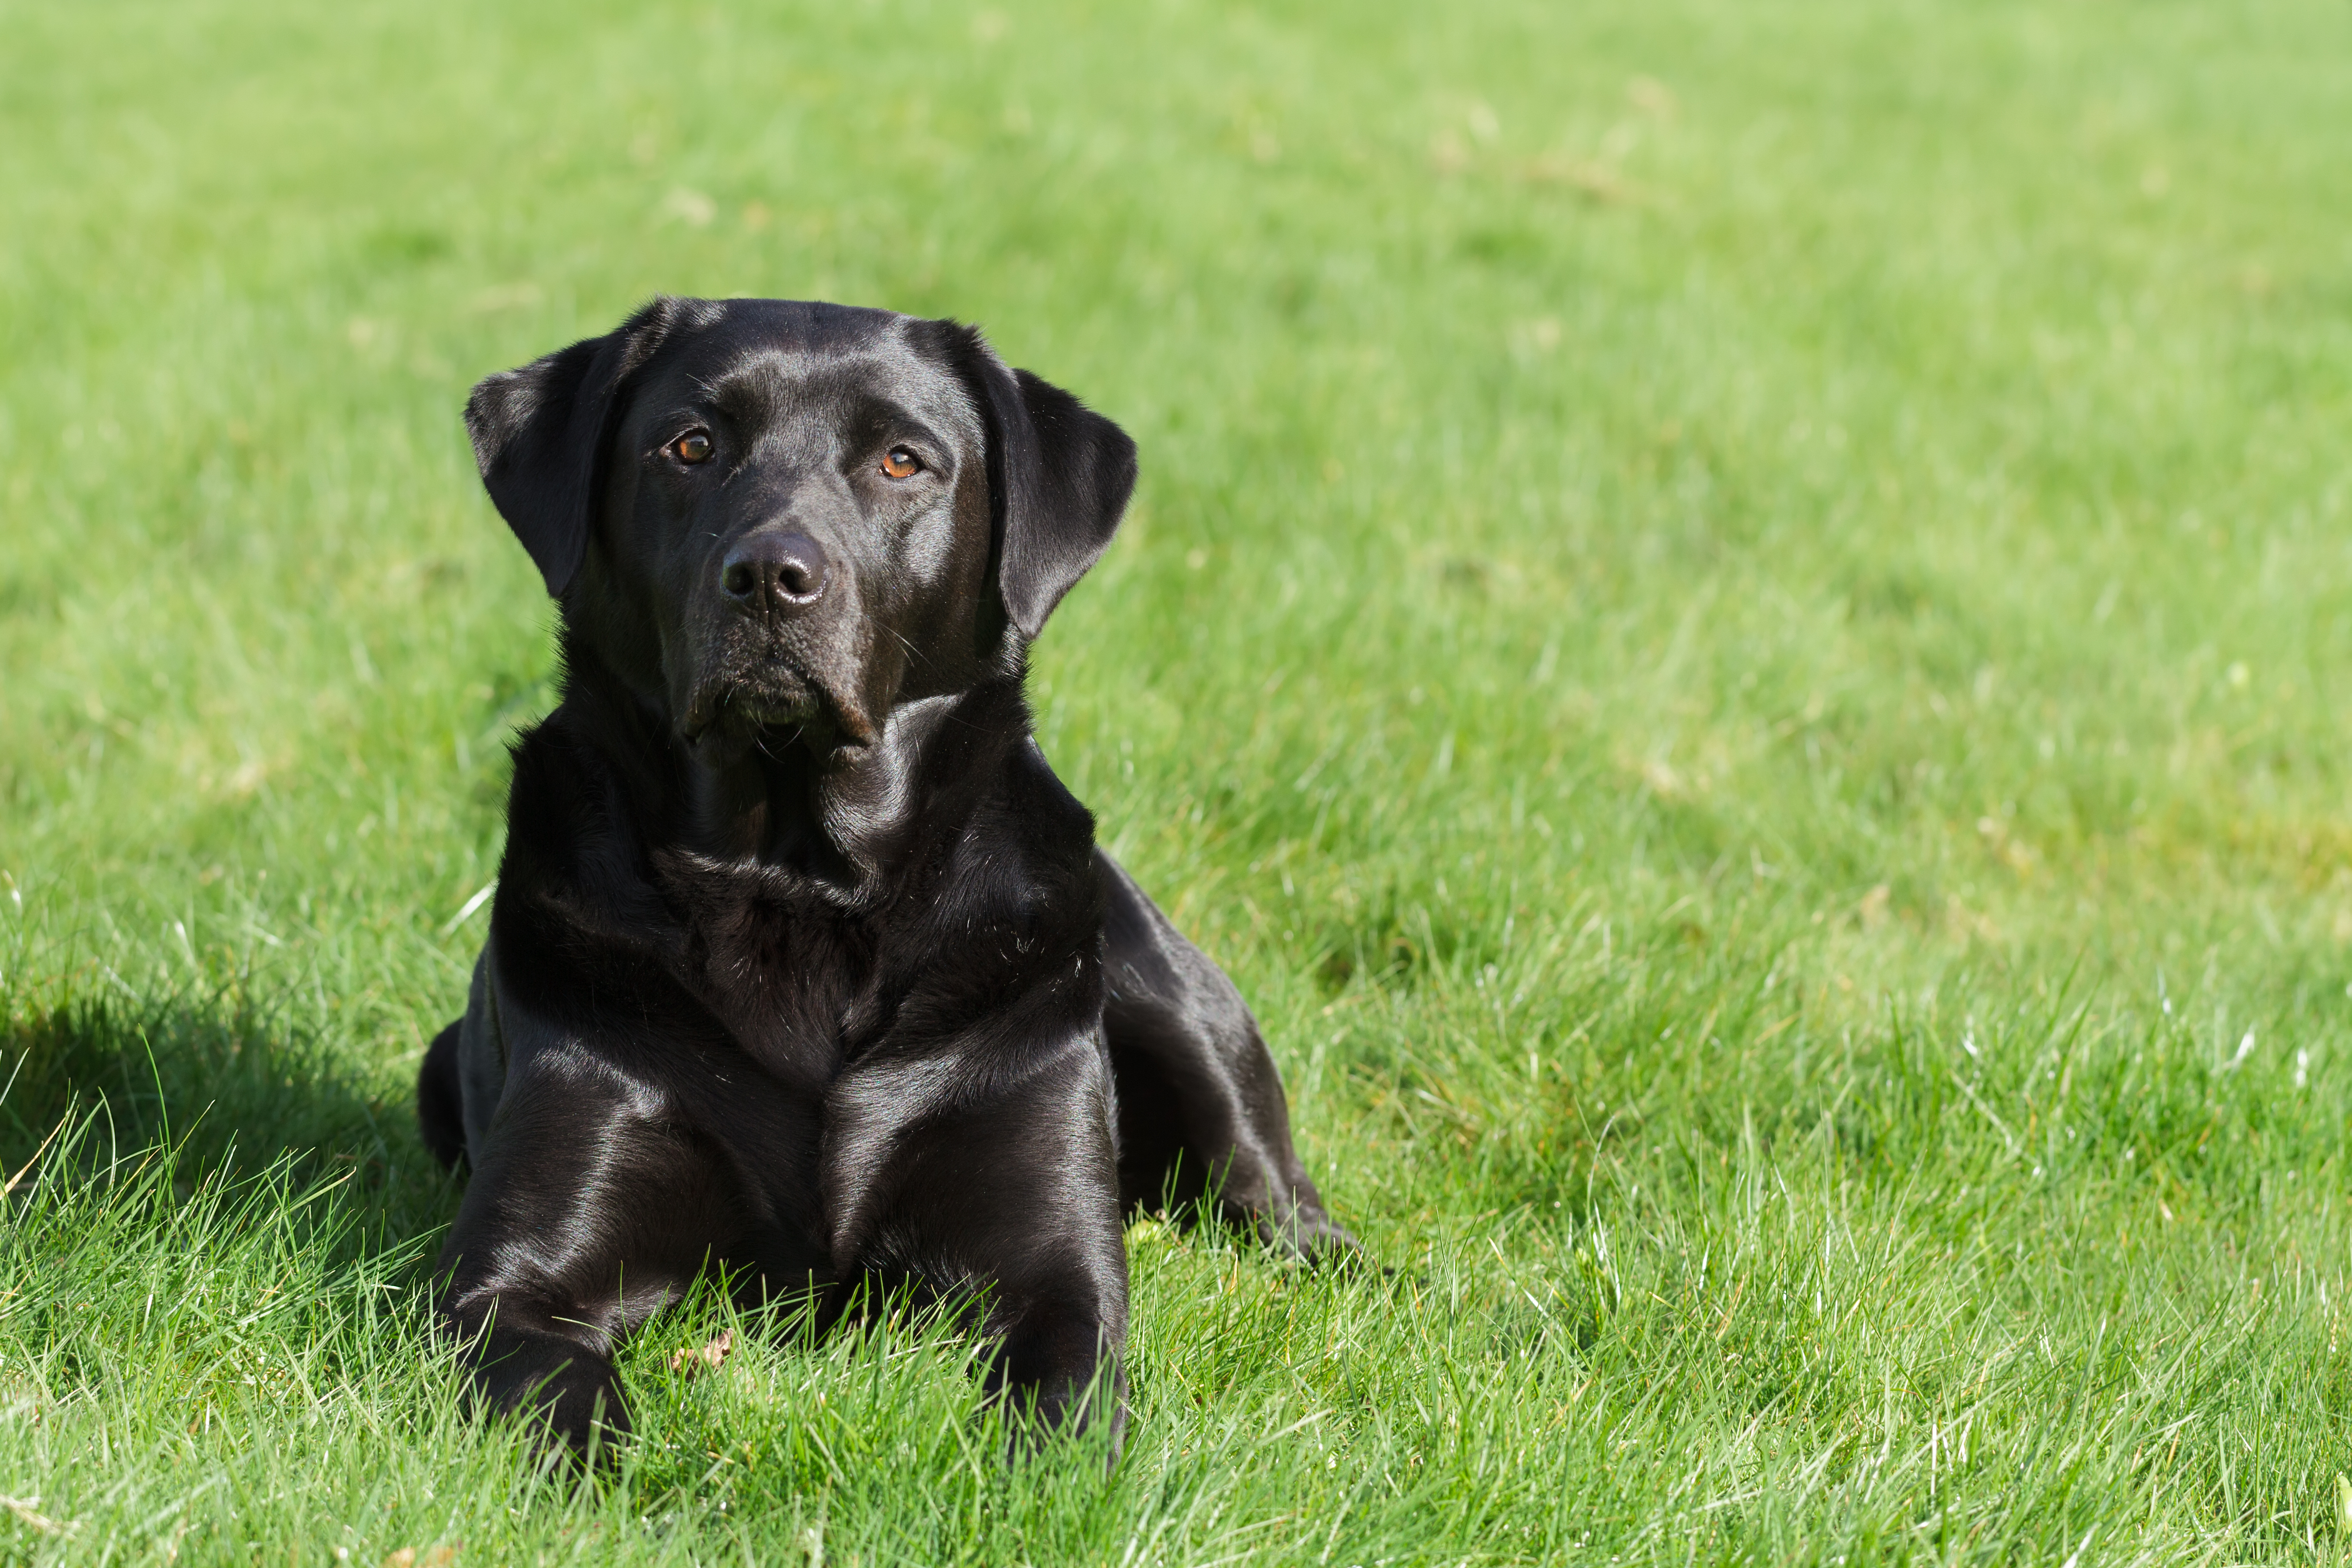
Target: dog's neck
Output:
[(841, 822), (842, 816)]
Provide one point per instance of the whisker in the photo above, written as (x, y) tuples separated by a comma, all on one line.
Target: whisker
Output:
[(910, 648)]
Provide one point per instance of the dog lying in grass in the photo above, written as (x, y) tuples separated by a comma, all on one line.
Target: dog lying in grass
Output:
[(803, 962)]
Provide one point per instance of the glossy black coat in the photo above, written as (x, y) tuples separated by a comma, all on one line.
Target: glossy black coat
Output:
[(801, 961)]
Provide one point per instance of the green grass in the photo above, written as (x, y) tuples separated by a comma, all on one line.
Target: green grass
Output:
[(1735, 626)]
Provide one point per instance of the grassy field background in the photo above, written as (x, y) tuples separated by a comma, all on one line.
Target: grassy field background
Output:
[(1737, 625)]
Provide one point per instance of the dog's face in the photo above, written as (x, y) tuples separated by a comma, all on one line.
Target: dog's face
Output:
[(796, 515), (778, 521)]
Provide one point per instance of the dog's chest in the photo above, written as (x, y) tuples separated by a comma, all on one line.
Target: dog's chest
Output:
[(796, 991)]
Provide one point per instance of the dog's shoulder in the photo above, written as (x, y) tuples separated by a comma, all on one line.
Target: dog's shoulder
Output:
[(1019, 890), (576, 868), (1033, 836)]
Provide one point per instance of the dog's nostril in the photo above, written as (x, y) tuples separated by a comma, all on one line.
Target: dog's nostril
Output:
[(800, 568), (739, 579)]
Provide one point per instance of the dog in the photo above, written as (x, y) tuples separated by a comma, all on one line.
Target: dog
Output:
[(802, 965)]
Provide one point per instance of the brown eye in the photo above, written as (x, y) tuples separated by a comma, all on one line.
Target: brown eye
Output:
[(900, 463), (694, 446)]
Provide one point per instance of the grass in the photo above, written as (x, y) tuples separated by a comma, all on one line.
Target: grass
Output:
[(1737, 626)]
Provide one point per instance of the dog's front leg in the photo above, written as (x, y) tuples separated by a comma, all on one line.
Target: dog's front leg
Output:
[(975, 1167), (592, 1210)]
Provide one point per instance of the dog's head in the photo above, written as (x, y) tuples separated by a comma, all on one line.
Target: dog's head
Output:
[(769, 514)]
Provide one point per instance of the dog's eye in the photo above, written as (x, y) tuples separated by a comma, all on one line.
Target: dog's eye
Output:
[(900, 463), (694, 446)]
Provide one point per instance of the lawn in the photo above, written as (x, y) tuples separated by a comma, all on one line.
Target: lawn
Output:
[(1737, 626)]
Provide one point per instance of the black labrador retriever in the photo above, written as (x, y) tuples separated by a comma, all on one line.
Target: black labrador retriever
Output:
[(803, 962)]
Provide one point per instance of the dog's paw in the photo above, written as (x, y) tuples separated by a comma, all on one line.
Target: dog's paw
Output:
[(1311, 1236)]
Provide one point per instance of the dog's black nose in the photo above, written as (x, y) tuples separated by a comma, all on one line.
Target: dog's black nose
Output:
[(787, 570)]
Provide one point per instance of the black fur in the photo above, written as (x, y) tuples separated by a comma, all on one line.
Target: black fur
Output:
[(802, 962)]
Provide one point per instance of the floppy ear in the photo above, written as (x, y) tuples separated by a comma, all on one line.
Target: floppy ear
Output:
[(539, 434), (1058, 475)]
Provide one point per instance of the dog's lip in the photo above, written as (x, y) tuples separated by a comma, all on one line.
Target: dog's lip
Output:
[(766, 713), (818, 707)]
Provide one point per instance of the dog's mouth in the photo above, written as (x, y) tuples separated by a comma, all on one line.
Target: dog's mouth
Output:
[(777, 704)]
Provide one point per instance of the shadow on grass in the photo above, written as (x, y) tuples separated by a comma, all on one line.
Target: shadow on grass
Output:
[(226, 1090)]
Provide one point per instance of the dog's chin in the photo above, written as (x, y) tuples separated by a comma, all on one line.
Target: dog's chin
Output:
[(776, 710)]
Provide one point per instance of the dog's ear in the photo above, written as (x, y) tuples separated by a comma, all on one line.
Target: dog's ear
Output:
[(539, 434), (1058, 477)]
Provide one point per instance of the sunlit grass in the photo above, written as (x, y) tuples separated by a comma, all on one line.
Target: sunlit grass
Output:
[(1735, 626)]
